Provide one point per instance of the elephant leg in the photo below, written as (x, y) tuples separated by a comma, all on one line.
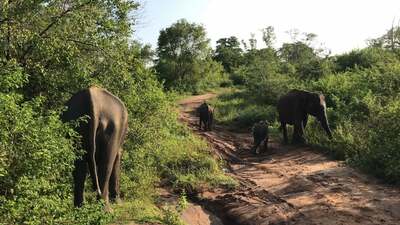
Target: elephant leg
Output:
[(266, 144), (93, 176), (199, 123), (79, 175), (255, 147), (106, 169), (305, 122), (302, 139), (257, 143), (298, 133), (211, 121), (114, 179), (284, 130)]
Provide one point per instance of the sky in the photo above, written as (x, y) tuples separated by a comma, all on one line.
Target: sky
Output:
[(340, 25)]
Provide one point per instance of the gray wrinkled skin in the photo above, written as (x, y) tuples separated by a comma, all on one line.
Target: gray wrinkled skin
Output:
[(102, 138)]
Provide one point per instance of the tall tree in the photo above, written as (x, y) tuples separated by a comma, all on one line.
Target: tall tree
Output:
[(64, 45), (268, 36), (390, 40), (184, 55), (302, 57), (229, 53), (253, 41)]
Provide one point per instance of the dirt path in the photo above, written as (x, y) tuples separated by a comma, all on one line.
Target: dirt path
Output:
[(290, 185)]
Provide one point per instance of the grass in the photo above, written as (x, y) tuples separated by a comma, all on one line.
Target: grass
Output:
[(236, 108), (182, 161)]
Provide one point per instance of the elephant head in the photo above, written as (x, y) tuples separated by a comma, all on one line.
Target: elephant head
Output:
[(316, 106)]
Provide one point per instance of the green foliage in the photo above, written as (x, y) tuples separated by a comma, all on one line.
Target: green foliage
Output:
[(187, 164), (365, 114), (240, 109), (12, 76), (362, 94), (390, 40), (304, 59), (184, 58), (364, 58), (229, 53), (50, 50), (36, 161), (62, 46)]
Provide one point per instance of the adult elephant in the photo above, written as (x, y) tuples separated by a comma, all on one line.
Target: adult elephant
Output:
[(102, 137), (294, 108)]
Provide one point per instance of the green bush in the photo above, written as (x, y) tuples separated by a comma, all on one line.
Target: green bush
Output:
[(87, 43), (362, 98), (36, 162), (364, 112)]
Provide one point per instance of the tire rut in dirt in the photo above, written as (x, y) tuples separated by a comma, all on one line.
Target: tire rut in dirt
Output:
[(254, 207)]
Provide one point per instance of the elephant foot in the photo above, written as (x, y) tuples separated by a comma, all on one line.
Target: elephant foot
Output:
[(255, 152), (107, 208), (116, 200)]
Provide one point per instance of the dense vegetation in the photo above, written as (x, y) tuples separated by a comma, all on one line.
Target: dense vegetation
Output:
[(184, 59), (362, 90), (50, 50)]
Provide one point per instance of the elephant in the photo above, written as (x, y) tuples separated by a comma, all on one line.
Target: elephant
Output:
[(260, 135), (206, 116), (294, 108), (102, 137)]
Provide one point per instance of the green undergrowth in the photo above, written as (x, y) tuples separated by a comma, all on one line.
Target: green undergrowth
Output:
[(363, 109), (178, 159), (146, 211), (236, 108)]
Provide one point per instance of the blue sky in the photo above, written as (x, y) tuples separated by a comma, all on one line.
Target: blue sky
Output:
[(158, 14), (341, 25)]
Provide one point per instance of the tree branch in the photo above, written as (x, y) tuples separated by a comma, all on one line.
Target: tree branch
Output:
[(53, 23)]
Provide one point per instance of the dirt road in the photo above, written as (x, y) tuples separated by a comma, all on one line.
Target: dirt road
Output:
[(290, 185)]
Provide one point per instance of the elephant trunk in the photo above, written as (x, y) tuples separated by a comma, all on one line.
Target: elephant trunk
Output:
[(325, 125)]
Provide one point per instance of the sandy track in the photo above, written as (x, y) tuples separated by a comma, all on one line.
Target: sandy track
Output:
[(290, 185)]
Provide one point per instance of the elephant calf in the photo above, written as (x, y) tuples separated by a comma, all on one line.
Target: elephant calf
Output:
[(260, 135), (102, 138), (294, 108), (206, 116)]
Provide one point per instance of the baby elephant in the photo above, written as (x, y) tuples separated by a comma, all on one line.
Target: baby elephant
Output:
[(206, 116), (260, 135)]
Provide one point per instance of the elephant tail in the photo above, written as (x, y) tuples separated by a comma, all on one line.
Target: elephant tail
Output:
[(93, 126)]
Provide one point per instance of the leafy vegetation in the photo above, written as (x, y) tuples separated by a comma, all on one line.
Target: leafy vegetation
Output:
[(362, 92), (50, 50), (184, 59)]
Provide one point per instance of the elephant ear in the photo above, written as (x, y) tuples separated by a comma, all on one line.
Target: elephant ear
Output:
[(312, 103), (305, 102)]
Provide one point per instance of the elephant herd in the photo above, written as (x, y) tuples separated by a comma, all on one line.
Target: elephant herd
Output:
[(293, 108), (106, 126)]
